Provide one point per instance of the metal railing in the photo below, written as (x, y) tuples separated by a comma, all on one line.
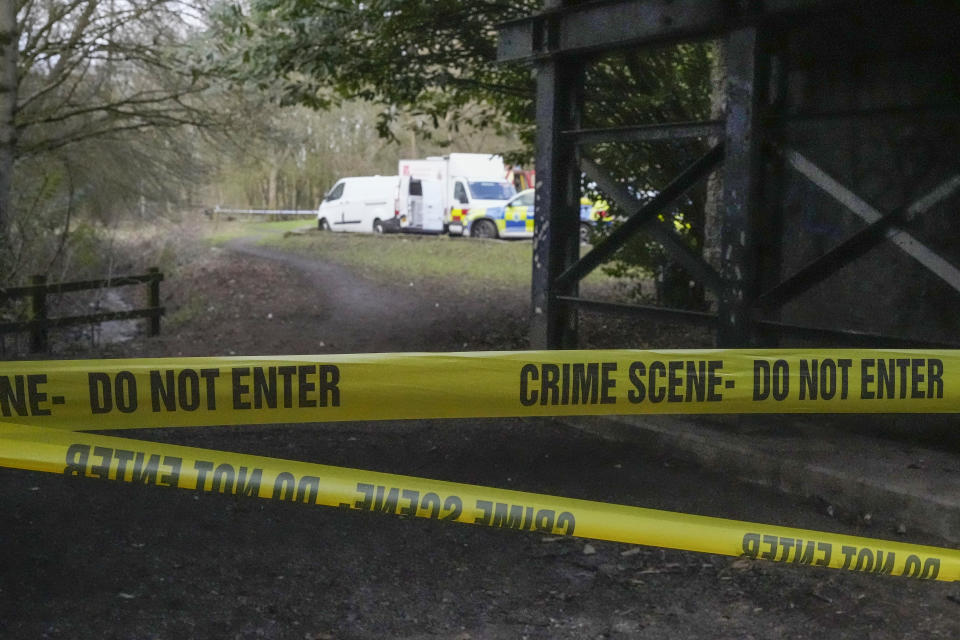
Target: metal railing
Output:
[(271, 212)]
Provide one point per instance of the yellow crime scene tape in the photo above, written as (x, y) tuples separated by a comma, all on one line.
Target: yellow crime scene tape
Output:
[(132, 461), (50, 400), (162, 392)]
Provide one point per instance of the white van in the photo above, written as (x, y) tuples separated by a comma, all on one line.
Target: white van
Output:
[(364, 204)]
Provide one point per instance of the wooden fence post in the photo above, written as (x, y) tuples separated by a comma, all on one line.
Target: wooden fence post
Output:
[(38, 314), (153, 300)]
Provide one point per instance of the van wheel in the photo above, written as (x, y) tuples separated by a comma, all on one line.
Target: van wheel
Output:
[(377, 226), (483, 229), (323, 225), (585, 233)]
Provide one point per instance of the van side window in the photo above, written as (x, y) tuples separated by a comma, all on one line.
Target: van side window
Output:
[(460, 194), (416, 188), (525, 199), (335, 193)]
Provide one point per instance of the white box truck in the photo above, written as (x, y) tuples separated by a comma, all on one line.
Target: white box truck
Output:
[(451, 193), (362, 203)]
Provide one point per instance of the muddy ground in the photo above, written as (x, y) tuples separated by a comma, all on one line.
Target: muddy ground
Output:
[(90, 559)]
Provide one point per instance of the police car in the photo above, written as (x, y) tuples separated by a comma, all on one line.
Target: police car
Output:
[(515, 219)]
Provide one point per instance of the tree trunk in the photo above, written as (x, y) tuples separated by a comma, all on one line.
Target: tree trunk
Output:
[(272, 186), (8, 110)]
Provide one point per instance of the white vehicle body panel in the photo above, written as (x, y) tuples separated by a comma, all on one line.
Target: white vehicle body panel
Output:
[(432, 206), (360, 202), (445, 172)]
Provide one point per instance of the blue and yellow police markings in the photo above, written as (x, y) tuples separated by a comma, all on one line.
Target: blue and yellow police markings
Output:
[(516, 218), (511, 221), (470, 216)]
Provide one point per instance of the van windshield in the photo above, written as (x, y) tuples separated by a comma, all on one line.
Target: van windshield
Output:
[(335, 193), (492, 190)]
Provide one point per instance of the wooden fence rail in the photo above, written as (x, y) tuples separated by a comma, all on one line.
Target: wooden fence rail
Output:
[(38, 323)]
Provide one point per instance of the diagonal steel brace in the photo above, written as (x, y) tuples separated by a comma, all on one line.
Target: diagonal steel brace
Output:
[(852, 248), (644, 216), (903, 240)]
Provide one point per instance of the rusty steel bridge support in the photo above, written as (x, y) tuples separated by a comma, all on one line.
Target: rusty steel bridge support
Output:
[(747, 285)]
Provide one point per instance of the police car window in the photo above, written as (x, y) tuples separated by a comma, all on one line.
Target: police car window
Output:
[(459, 193), (335, 193), (492, 190), (525, 200), (416, 188)]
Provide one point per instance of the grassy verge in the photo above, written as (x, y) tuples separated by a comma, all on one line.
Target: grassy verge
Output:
[(500, 265), (220, 232), (402, 257), (459, 265)]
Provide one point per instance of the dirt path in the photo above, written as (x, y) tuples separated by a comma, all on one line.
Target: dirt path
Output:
[(354, 314), (92, 559), (258, 300), (358, 315)]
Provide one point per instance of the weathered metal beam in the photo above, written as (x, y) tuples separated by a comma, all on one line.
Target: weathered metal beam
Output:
[(607, 25), (851, 338), (906, 242), (852, 248), (741, 188), (631, 23), (601, 306), (644, 216), (702, 318), (929, 111), (556, 238), (647, 132)]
